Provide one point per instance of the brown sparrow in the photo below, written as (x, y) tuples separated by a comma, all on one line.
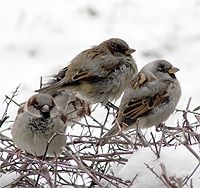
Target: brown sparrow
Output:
[(150, 99), (99, 74), (72, 107), (36, 123)]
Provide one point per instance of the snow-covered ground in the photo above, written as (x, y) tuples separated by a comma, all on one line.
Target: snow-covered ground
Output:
[(144, 166), (38, 38)]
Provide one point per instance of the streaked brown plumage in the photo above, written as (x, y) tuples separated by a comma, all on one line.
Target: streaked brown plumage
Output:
[(99, 74), (150, 99)]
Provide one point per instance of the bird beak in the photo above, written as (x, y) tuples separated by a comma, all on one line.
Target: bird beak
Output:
[(130, 51), (45, 108), (173, 70)]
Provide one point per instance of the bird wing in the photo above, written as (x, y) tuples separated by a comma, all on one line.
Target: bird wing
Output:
[(89, 65), (61, 74), (140, 106), (100, 67)]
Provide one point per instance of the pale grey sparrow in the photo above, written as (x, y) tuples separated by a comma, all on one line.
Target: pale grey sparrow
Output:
[(36, 123)]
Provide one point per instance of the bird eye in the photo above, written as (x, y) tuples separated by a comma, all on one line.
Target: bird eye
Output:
[(50, 108), (36, 106), (163, 69)]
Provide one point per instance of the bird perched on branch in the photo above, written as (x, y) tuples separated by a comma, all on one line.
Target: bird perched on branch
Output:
[(36, 123), (67, 102), (150, 99), (99, 74), (72, 107)]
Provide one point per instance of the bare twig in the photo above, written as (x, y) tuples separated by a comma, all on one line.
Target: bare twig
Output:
[(164, 174), (82, 167), (131, 183), (157, 152), (187, 178), (5, 116), (160, 178), (44, 156), (83, 162)]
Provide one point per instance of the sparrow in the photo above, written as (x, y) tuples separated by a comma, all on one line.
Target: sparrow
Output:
[(99, 74), (36, 122), (72, 107), (150, 98)]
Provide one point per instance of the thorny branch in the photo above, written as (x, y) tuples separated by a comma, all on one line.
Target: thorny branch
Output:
[(10, 99), (44, 168), (159, 177), (83, 163)]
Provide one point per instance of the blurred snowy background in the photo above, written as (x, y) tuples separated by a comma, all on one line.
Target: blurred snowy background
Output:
[(38, 38)]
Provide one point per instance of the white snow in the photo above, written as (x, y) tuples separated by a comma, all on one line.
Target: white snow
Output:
[(179, 162)]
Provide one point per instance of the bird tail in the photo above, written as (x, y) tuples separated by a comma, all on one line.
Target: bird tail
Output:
[(49, 89), (111, 132)]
